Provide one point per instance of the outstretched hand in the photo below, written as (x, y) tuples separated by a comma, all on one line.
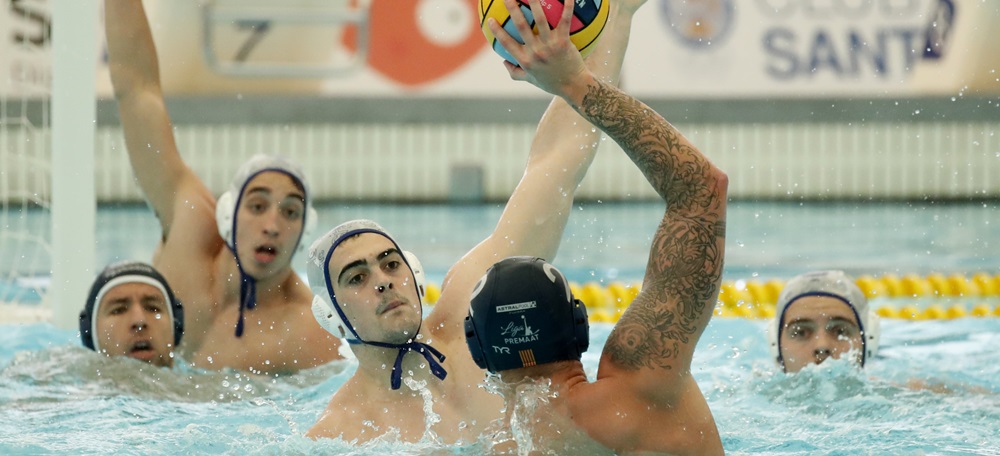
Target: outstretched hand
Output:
[(548, 59)]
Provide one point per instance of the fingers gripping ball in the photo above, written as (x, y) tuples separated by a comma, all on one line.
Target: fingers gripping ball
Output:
[(589, 19)]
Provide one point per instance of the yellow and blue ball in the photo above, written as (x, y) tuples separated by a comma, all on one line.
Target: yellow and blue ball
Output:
[(589, 19)]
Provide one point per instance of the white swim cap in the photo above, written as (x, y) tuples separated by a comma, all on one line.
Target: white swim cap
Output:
[(229, 202), (835, 284), (331, 316), (326, 310)]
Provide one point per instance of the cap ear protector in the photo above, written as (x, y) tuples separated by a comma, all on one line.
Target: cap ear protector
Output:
[(872, 333), (328, 317), (225, 213), (419, 279), (471, 336), (581, 322), (581, 326)]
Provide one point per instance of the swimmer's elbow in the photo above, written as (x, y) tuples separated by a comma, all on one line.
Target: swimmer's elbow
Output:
[(720, 182)]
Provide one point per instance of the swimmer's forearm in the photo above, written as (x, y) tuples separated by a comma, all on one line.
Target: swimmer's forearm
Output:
[(562, 151), (145, 122), (609, 53), (565, 145), (677, 170), (661, 327), (561, 129), (131, 53)]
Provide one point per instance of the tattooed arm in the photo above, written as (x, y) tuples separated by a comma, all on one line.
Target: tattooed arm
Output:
[(654, 340), (659, 331)]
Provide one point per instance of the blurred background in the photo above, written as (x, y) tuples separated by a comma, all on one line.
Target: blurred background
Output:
[(858, 135)]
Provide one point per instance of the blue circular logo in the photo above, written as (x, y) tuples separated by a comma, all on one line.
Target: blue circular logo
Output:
[(698, 23)]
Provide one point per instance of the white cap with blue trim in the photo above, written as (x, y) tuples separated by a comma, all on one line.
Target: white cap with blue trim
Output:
[(229, 202), (331, 316), (835, 284)]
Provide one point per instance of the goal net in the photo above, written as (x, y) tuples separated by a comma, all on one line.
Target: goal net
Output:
[(25, 217)]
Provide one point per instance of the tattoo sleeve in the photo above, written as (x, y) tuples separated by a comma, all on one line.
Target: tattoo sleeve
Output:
[(661, 327)]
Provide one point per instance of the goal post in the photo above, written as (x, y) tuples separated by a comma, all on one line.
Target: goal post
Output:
[(74, 104)]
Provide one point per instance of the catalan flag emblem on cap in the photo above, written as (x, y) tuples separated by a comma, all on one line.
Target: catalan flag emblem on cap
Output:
[(527, 358)]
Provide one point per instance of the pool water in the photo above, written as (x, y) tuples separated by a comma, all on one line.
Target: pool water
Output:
[(934, 389), (610, 241), (58, 398)]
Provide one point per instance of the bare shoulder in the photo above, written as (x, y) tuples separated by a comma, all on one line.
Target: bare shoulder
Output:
[(618, 413), (192, 254)]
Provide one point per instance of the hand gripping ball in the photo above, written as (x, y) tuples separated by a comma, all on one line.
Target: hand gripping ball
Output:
[(589, 19)]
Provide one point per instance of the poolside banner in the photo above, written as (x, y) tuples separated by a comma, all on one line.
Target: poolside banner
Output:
[(434, 48), (725, 48), (25, 48)]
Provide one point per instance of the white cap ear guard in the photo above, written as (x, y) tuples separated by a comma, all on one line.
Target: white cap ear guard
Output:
[(225, 210), (328, 317), (873, 334), (420, 280)]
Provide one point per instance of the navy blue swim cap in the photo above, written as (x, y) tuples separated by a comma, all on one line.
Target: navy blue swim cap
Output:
[(523, 314), (121, 273)]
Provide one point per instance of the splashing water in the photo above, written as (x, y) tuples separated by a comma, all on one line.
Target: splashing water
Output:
[(430, 417)]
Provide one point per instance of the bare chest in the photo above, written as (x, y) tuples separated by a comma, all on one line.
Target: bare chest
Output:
[(274, 341), (419, 418)]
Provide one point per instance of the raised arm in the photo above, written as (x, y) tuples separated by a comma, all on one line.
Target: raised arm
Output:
[(659, 330), (655, 338), (135, 75), (562, 150)]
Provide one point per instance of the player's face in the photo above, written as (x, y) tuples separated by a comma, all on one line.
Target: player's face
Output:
[(375, 289), (133, 321), (816, 328), (269, 222)]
